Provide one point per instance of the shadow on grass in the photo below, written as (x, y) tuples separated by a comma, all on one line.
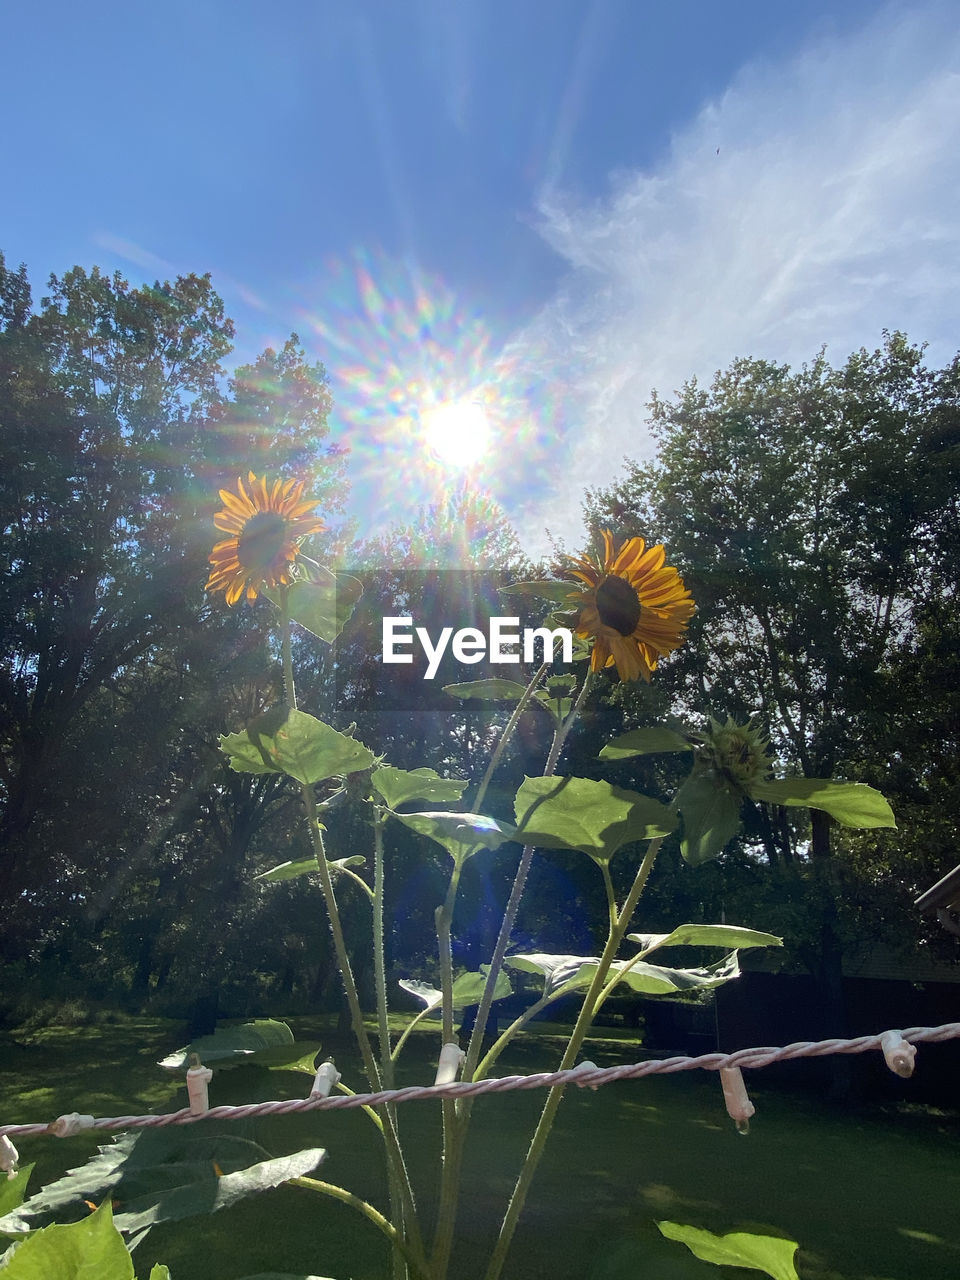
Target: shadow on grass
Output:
[(869, 1194)]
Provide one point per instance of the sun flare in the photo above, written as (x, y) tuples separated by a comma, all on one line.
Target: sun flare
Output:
[(458, 432)]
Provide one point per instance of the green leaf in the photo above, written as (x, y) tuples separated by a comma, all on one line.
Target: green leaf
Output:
[(852, 804), (88, 1181), (542, 589), (710, 808), (492, 690), (304, 866), (307, 1064), (292, 742), (289, 870), (728, 936), (555, 696), (322, 606), (431, 996), (580, 813), (91, 1249), (643, 742), (159, 1272), (208, 1193), (263, 1041), (12, 1190), (461, 834), (163, 1175), (468, 988), (773, 1256), (397, 786), (575, 973)]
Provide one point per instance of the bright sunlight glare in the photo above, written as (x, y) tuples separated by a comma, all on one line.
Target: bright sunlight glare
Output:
[(458, 432)]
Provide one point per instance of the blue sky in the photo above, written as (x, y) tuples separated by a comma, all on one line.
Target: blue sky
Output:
[(546, 207)]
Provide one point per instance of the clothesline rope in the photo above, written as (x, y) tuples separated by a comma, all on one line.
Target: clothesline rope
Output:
[(586, 1075)]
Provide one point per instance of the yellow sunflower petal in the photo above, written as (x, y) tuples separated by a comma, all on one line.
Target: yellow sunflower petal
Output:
[(266, 521), (632, 588)]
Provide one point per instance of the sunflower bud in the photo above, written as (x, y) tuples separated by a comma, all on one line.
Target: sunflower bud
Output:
[(738, 752)]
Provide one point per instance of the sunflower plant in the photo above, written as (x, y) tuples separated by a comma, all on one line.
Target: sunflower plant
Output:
[(630, 610)]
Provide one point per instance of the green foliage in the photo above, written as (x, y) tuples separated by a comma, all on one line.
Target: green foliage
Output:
[(13, 1190), (294, 743), (649, 741), (705, 935), (772, 1256), (323, 603), (398, 786), (580, 813), (467, 989), (461, 834), (163, 1175), (852, 804), (265, 1043), (710, 807), (91, 1249), (493, 690), (554, 697), (711, 801), (308, 866), (576, 973)]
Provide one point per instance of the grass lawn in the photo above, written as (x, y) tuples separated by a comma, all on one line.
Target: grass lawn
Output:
[(870, 1194)]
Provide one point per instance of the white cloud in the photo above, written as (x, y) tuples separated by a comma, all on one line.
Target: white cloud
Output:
[(829, 214)]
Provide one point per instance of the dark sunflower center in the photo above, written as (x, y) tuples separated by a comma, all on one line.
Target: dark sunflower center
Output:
[(618, 605), (262, 541)]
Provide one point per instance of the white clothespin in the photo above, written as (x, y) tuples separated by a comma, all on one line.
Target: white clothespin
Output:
[(66, 1126), (198, 1077), (581, 1068), (739, 1106), (9, 1157), (898, 1053), (451, 1059), (326, 1077)]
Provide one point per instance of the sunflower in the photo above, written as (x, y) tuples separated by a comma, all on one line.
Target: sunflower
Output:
[(634, 606), (266, 526)]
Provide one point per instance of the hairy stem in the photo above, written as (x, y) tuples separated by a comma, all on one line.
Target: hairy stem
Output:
[(577, 1037), (506, 736), (394, 1153), (379, 952), (413, 1259), (452, 1133), (513, 902)]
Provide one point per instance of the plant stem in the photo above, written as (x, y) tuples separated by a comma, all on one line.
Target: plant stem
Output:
[(577, 1036), (383, 1024), (456, 1114), (452, 1135), (286, 650), (414, 1261), (379, 955), (391, 1141), (517, 1025), (513, 902), (444, 922), (506, 736), (611, 896), (424, 1012)]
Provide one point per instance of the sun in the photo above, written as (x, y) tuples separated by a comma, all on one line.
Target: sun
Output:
[(458, 432)]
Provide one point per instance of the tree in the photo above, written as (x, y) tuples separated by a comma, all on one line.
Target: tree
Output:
[(806, 512), (115, 433)]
